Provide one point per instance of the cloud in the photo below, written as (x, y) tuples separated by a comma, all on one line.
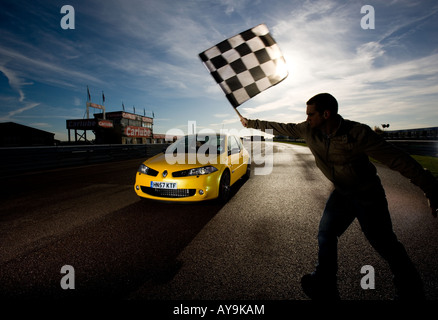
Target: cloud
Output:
[(13, 113), (15, 81), (43, 71), (234, 5), (77, 101), (275, 104), (147, 51), (219, 126), (324, 55), (41, 125), (222, 115)]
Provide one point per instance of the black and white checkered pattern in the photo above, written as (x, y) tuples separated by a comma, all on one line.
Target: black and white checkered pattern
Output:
[(246, 64)]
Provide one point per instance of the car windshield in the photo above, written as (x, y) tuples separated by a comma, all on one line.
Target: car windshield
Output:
[(199, 143)]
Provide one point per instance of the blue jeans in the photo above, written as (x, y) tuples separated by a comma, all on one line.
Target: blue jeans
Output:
[(371, 210)]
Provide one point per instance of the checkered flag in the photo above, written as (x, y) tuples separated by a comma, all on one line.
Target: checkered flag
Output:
[(246, 64)]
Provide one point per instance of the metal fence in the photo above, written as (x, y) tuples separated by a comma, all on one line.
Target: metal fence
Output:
[(418, 147), (25, 159)]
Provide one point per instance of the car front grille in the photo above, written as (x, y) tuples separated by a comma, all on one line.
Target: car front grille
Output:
[(168, 193)]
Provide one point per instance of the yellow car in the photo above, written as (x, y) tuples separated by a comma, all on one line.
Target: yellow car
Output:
[(194, 168)]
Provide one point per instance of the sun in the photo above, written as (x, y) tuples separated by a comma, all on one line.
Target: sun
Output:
[(281, 70)]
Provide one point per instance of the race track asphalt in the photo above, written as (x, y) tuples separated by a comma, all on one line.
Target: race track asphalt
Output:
[(256, 247)]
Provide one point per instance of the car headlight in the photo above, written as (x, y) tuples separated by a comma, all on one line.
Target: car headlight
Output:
[(146, 170), (195, 171)]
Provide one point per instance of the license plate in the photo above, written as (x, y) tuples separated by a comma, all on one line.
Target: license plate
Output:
[(163, 185)]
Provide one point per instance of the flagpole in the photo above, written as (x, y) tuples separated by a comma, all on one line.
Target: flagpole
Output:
[(88, 100), (238, 113), (103, 104)]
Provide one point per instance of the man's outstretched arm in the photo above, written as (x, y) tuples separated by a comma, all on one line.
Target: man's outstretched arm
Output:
[(285, 129), (399, 160)]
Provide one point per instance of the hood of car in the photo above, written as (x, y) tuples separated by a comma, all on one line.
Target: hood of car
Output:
[(182, 162)]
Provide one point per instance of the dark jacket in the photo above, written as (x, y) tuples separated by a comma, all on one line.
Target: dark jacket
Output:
[(344, 156)]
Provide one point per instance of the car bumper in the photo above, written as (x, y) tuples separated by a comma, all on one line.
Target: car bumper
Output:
[(188, 189)]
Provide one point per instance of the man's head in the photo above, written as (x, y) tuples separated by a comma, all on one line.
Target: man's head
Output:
[(320, 109)]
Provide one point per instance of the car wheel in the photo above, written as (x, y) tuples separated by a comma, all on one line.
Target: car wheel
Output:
[(224, 187), (248, 170)]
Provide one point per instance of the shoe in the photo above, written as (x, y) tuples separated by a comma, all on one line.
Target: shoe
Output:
[(320, 288)]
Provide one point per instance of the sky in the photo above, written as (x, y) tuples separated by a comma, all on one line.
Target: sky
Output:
[(144, 54)]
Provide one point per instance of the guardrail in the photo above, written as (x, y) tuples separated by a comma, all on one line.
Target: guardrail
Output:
[(414, 147), (25, 159), (418, 147)]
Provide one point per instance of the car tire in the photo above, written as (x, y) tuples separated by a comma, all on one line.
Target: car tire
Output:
[(248, 170), (224, 187)]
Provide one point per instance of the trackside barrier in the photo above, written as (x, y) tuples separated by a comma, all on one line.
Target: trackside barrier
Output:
[(25, 159), (418, 147)]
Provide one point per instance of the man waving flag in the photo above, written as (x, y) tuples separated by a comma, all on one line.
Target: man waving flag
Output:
[(246, 64)]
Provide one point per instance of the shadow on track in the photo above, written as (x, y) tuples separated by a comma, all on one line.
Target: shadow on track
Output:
[(113, 256)]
